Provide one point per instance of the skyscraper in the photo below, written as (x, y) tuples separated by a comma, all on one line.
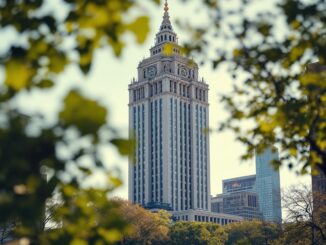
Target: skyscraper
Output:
[(168, 113), (268, 186)]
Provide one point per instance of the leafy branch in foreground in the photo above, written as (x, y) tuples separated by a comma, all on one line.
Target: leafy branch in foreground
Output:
[(277, 55), (39, 158)]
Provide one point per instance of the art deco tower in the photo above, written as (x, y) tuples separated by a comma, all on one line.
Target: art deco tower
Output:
[(168, 114)]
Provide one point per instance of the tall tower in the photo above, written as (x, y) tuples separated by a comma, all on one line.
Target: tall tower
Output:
[(268, 186), (168, 114)]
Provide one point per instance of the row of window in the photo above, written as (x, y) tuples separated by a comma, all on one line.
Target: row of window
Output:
[(221, 221), (159, 50), (200, 94), (156, 160), (201, 147), (139, 93), (139, 167), (180, 148), (165, 37), (175, 87)]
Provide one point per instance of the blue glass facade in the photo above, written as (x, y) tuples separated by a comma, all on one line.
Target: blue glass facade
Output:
[(268, 186)]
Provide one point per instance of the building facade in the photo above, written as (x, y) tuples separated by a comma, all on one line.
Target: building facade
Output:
[(268, 186), (239, 198), (168, 114)]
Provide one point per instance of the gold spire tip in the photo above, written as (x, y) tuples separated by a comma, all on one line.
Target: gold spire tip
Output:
[(166, 8)]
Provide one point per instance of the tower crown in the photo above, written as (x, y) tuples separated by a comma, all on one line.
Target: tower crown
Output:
[(166, 32)]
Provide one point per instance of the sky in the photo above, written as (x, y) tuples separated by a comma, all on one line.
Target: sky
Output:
[(108, 82)]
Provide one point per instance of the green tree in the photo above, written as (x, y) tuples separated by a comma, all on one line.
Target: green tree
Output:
[(46, 44), (279, 90), (252, 233), (197, 233)]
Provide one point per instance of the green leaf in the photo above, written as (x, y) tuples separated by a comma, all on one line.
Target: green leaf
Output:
[(140, 28), (125, 146), (18, 74), (83, 113), (45, 83)]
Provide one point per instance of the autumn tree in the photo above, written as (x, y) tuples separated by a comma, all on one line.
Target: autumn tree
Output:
[(146, 227)]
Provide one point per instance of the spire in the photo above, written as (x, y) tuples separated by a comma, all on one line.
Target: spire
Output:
[(166, 8), (166, 33), (166, 23)]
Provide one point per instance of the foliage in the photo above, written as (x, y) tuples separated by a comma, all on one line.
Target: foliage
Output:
[(87, 217), (277, 93), (252, 232), (36, 156), (146, 227), (197, 233)]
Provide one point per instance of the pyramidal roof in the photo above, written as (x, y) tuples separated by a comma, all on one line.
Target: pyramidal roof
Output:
[(166, 32), (166, 23)]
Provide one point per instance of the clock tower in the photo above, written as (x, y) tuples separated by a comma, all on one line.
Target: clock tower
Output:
[(168, 115)]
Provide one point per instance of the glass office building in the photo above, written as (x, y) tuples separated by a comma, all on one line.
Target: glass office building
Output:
[(268, 186)]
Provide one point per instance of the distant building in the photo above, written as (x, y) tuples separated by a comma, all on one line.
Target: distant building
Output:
[(268, 186), (239, 198), (217, 204), (239, 184)]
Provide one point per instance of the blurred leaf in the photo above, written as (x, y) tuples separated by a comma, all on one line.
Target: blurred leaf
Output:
[(78, 241), (85, 114), (125, 147), (18, 74), (140, 27), (168, 49), (46, 83)]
